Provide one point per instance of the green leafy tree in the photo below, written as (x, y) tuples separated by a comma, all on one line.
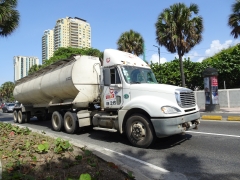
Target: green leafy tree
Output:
[(6, 91), (64, 53), (234, 19), (227, 64), (34, 68), (171, 74), (179, 29), (9, 17), (132, 42)]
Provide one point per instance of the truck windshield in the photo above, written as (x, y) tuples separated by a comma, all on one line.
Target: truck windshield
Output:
[(135, 75)]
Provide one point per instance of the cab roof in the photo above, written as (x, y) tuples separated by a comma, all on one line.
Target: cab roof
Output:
[(113, 57)]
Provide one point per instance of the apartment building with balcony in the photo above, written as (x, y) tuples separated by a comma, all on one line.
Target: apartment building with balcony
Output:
[(47, 45), (72, 32), (22, 64)]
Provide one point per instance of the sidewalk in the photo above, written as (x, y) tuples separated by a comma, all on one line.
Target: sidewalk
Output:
[(227, 114)]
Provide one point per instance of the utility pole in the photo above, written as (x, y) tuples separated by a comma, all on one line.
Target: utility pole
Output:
[(144, 57), (159, 62)]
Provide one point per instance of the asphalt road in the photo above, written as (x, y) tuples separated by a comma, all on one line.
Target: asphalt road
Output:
[(211, 152)]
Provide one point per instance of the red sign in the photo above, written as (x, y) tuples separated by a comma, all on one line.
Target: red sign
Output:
[(214, 81)]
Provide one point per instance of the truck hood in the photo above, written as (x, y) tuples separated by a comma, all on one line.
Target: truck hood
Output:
[(162, 88)]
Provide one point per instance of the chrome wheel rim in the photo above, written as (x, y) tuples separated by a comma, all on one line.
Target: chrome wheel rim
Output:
[(69, 122), (138, 130), (55, 120)]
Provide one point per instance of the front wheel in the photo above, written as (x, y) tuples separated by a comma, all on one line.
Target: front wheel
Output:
[(70, 122), (139, 131)]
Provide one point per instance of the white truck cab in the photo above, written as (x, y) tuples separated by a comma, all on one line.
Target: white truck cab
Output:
[(130, 87)]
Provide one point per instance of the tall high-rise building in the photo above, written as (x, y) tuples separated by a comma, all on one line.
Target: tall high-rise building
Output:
[(72, 32), (22, 64), (47, 45)]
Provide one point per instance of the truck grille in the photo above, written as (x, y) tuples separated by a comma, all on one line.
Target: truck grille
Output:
[(187, 99)]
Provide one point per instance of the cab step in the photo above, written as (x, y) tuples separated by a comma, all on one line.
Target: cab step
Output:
[(105, 129)]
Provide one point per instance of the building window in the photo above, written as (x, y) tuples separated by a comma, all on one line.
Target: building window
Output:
[(21, 67)]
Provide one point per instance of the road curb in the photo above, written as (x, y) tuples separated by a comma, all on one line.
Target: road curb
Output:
[(212, 117), (220, 118), (233, 118)]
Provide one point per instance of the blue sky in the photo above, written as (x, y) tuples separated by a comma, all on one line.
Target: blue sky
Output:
[(108, 19)]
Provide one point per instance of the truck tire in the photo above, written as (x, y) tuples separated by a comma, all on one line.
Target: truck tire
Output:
[(28, 117), (57, 121), (70, 122), (39, 117), (139, 131), (15, 116), (21, 117)]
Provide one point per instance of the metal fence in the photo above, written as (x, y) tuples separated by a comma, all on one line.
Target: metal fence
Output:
[(228, 98)]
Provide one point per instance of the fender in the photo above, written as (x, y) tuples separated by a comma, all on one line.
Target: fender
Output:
[(152, 105)]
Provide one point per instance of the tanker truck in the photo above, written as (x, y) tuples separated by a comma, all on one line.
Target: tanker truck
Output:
[(118, 94)]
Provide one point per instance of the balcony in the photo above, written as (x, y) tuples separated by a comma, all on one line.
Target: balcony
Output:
[(73, 32)]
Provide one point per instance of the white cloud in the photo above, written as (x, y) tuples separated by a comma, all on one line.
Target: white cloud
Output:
[(192, 55), (201, 59), (155, 59), (216, 46)]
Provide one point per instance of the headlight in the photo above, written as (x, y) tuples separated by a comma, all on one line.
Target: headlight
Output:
[(170, 110)]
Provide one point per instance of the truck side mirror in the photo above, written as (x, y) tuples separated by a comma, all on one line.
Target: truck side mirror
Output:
[(106, 77)]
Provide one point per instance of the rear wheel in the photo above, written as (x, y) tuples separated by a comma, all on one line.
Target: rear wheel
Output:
[(39, 117), (21, 117), (57, 121), (28, 117), (15, 116), (70, 122), (139, 131)]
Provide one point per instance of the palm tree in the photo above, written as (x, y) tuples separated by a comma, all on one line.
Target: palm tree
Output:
[(179, 29), (9, 17), (234, 19), (132, 42)]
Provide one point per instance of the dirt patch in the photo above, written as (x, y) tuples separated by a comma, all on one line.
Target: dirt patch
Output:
[(33, 156)]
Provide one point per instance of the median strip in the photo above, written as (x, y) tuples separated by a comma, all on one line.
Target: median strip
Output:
[(233, 118), (212, 117)]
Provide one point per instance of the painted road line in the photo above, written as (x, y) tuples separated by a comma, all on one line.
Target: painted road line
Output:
[(140, 161), (214, 134), (233, 118), (212, 117)]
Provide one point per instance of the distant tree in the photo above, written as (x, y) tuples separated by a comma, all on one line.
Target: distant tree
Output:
[(64, 53), (171, 73), (228, 66), (132, 42), (34, 68), (179, 29), (6, 91), (9, 17), (234, 19)]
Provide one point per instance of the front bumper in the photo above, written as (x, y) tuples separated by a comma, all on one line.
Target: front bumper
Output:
[(175, 125)]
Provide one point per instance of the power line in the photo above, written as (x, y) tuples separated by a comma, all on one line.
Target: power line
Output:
[(173, 53)]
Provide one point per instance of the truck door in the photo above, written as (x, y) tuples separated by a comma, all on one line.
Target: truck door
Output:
[(113, 93)]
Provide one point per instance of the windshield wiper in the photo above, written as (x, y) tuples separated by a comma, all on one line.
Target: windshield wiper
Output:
[(136, 82)]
